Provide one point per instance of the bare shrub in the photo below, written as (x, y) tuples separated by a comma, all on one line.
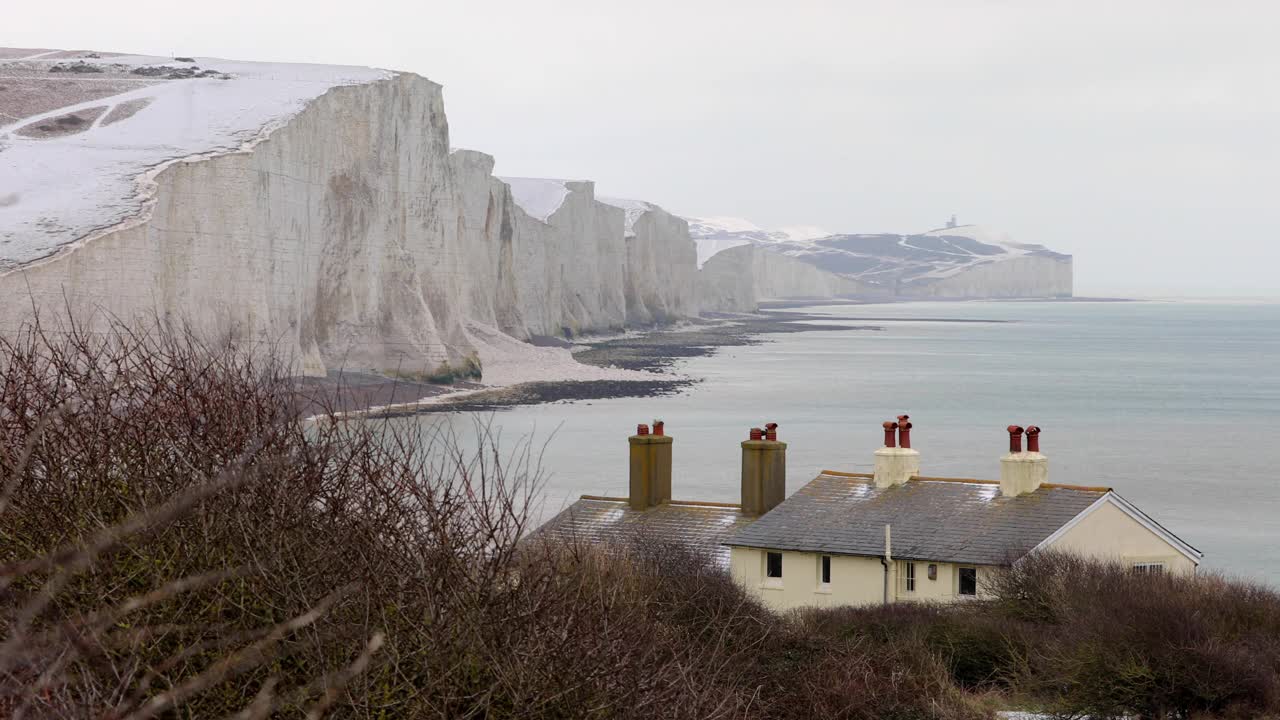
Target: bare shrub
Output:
[(173, 536), (1113, 643), (977, 649), (173, 539), (1085, 638)]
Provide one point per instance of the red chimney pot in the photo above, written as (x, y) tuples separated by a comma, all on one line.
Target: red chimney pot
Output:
[(1015, 438), (904, 432), (771, 431), (756, 434), (890, 430), (658, 427), (642, 429), (1033, 439)]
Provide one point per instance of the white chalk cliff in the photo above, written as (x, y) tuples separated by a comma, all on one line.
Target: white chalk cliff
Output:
[(742, 276), (325, 224), (320, 211), (660, 272), (958, 261), (315, 210)]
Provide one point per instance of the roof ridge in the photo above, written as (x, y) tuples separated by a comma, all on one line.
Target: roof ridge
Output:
[(976, 481), (686, 503), (1090, 488), (704, 503), (1052, 486), (837, 473)]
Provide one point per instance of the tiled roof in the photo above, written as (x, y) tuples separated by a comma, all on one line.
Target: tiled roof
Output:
[(937, 519), (702, 526)]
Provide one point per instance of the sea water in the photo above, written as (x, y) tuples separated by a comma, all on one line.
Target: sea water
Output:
[(1176, 405)]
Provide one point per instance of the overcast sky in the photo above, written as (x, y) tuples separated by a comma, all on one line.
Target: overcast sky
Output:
[(1142, 137)]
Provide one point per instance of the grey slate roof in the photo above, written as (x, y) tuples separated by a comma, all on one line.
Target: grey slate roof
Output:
[(946, 521), (703, 527)]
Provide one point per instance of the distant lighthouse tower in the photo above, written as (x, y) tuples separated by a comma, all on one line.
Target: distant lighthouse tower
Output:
[(952, 222)]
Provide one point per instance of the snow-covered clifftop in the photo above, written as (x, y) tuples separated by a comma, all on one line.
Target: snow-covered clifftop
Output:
[(288, 220), (81, 136), (963, 261)]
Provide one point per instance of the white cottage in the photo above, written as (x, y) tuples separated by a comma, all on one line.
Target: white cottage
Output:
[(893, 535)]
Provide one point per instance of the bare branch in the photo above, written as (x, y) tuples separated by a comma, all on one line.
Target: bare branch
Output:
[(236, 663), (335, 683)]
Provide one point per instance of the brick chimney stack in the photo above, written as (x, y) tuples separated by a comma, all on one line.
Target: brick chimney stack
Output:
[(650, 483), (764, 470), (1022, 471), (896, 462)]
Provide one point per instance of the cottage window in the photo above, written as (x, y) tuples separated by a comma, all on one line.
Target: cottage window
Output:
[(968, 581), (1148, 568), (825, 570), (911, 577), (773, 565)]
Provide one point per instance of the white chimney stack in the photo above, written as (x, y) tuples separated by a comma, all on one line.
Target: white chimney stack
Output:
[(896, 462), (1023, 472)]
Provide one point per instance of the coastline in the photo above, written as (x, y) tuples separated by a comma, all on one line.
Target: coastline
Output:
[(636, 363)]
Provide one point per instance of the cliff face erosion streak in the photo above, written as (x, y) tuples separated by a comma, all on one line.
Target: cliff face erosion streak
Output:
[(320, 211)]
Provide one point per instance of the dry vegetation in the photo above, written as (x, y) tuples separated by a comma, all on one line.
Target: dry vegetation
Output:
[(173, 539), (175, 543), (1081, 638)]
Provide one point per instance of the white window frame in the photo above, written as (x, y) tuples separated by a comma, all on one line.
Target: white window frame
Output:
[(824, 586), (959, 570), (1149, 567), (910, 576)]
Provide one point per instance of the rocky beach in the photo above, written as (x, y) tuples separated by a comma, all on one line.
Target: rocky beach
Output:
[(633, 364)]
